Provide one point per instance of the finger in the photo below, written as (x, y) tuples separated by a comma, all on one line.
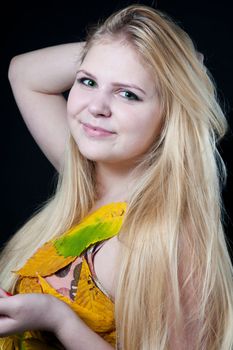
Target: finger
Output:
[(8, 326), (7, 305), (3, 293)]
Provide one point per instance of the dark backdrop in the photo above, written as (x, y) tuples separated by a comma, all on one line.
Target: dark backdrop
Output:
[(27, 178)]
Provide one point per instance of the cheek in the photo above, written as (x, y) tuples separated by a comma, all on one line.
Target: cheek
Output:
[(76, 101), (71, 105), (146, 125)]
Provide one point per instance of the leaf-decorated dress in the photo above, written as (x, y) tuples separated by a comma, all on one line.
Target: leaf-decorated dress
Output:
[(71, 255)]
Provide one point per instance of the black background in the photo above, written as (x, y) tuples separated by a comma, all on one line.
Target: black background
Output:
[(27, 178)]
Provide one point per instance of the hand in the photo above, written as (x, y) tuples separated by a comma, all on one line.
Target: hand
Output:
[(34, 311), (23, 312)]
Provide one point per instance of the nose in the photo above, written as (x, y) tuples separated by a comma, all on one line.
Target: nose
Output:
[(99, 106)]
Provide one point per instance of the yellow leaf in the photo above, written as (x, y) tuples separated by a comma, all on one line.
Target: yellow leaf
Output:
[(9, 343), (44, 262), (48, 260)]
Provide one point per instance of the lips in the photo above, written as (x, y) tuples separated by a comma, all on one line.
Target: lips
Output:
[(96, 131), (97, 128)]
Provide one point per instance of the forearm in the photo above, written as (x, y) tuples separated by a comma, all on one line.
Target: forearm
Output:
[(74, 334), (38, 80), (47, 70), (37, 311)]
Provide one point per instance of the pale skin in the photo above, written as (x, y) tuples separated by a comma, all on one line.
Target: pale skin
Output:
[(112, 90), (38, 92), (44, 312)]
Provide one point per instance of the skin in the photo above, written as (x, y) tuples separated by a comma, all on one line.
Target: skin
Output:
[(113, 91), (28, 311), (34, 311)]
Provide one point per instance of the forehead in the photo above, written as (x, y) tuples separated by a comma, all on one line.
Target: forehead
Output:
[(117, 60)]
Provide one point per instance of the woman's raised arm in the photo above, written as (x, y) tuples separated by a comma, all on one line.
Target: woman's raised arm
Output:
[(38, 80)]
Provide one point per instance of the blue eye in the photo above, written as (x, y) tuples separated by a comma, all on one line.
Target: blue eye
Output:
[(87, 81), (130, 95)]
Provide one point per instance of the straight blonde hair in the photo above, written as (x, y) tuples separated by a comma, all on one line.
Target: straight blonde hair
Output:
[(175, 273)]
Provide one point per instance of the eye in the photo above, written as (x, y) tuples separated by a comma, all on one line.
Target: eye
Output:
[(129, 95), (87, 81)]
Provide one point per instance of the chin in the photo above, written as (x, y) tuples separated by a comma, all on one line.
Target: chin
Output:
[(94, 153), (95, 157)]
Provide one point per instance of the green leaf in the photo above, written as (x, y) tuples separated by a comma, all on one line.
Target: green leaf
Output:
[(75, 244)]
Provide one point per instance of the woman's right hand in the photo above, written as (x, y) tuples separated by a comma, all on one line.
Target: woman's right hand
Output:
[(38, 80), (23, 312)]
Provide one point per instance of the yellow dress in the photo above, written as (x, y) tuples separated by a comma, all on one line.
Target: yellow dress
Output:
[(89, 299)]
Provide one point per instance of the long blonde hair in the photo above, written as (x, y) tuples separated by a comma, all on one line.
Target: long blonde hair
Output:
[(175, 272)]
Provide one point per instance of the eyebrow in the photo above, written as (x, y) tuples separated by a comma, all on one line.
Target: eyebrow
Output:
[(115, 83)]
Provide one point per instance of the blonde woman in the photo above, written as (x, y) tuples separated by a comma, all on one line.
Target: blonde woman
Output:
[(130, 251)]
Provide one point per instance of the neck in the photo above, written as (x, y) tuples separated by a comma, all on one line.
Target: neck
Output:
[(113, 183)]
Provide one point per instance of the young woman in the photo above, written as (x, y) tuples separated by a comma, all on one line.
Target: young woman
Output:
[(130, 251)]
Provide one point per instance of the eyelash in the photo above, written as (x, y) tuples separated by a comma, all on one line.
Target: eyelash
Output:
[(81, 81), (133, 97)]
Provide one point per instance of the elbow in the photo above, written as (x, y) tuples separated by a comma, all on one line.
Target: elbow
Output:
[(14, 69)]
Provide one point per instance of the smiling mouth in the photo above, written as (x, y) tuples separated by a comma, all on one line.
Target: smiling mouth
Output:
[(96, 131)]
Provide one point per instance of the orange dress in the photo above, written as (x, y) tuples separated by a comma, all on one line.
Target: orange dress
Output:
[(44, 273)]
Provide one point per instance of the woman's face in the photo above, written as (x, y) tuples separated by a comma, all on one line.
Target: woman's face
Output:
[(113, 106)]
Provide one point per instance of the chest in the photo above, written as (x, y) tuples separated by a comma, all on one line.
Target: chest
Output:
[(103, 267)]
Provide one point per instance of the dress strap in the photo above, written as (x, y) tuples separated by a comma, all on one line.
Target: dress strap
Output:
[(96, 248)]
